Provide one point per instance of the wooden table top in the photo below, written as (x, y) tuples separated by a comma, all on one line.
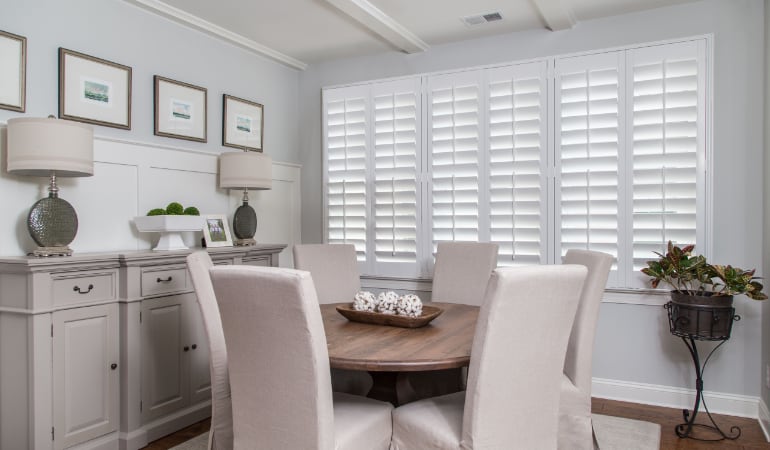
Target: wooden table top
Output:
[(444, 343)]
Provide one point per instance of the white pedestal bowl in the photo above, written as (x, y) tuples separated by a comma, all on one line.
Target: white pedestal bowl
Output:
[(170, 228)]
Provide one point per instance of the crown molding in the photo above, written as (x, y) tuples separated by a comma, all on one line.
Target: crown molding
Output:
[(192, 21), (556, 14)]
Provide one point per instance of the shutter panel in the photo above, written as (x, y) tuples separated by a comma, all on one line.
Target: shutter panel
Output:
[(346, 134), (516, 161), (667, 143), (454, 145), (397, 142), (588, 143)]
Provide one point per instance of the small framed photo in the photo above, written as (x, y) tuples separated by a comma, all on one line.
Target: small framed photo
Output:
[(216, 232), (180, 110), (94, 90), (13, 73), (242, 123)]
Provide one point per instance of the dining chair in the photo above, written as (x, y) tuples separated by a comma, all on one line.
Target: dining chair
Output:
[(517, 360), (462, 271), (221, 432), (279, 367), (335, 274), (575, 427)]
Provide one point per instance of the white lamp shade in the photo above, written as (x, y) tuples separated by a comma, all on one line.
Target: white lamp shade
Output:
[(37, 146), (245, 170)]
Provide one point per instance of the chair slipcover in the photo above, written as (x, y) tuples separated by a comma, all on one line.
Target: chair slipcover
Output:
[(575, 428), (221, 432), (462, 271), (517, 360), (335, 274), (279, 367)]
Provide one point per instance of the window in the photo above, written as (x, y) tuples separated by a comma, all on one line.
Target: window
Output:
[(602, 151)]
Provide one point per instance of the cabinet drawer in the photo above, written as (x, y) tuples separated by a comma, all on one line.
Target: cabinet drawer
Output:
[(263, 261), (162, 281), (84, 287)]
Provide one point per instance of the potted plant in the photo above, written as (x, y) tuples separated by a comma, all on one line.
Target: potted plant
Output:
[(702, 293), (170, 223)]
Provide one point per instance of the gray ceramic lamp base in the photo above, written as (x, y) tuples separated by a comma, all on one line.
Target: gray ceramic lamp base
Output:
[(244, 225), (53, 224)]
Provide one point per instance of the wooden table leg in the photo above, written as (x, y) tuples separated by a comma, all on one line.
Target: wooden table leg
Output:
[(384, 387)]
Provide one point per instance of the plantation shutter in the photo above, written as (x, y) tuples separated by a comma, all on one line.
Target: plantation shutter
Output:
[(667, 122), (345, 134), (516, 162), (454, 143), (396, 165), (588, 144)]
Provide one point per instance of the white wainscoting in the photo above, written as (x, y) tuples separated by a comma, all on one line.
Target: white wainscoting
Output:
[(130, 178)]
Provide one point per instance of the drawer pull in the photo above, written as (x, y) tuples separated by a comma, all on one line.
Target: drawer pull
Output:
[(113, 366), (160, 280), (186, 348), (194, 346), (79, 291)]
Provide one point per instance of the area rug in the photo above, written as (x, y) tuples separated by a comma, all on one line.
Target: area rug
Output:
[(613, 433)]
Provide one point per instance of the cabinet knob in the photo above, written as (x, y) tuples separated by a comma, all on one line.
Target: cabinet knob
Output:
[(113, 366), (194, 346), (186, 348), (161, 280), (80, 291)]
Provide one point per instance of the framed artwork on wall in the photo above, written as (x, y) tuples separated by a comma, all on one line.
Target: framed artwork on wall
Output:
[(180, 110), (242, 123), (94, 90), (13, 71), (216, 231)]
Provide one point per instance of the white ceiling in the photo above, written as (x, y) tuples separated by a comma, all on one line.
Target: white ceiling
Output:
[(301, 32)]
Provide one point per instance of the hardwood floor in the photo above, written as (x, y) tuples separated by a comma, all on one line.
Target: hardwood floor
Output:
[(751, 438)]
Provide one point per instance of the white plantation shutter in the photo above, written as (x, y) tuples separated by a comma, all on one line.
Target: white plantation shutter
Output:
[(667, 123), (346, 140), (516, 162), (588, 151), (454, 144), (396, 166)]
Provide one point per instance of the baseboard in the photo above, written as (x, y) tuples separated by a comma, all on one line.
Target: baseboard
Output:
[(764, 419), (673, 397)]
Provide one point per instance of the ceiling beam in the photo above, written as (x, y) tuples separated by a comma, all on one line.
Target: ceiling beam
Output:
[(556, 14), (185, 18), (380, 23)]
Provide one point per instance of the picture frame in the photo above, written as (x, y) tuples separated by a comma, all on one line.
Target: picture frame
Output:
[(13, 72), (216, 231), (94, 90), (180, 110), (242, 123)]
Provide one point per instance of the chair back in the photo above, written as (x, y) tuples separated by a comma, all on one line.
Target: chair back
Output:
[(517, 357), (462, 271), (334, 268), (580, 349), (279, 364), (221, 434)]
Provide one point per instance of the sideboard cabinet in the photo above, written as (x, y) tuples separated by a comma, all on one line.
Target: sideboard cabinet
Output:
[(104, 350)]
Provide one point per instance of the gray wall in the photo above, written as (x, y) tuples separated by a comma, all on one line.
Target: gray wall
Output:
[(633, 343), (766, 204), (117, 31)]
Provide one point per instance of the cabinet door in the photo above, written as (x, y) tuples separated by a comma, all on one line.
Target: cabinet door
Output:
[(200, 374), (164, 363), (85, 358)]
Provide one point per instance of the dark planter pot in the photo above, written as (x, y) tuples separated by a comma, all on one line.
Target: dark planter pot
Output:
[(708, 317)]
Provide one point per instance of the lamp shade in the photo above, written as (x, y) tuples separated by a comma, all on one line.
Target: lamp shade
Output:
[(245, 170), (37, 146)]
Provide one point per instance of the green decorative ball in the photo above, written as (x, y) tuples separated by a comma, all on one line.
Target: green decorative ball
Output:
[(157, 212), (175, 208), (191, 211)]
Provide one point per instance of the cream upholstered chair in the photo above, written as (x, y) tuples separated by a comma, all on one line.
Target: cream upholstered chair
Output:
[(279, 367), (517, 360), (335, 274), (575, 428), (462, 271), (221, 432)]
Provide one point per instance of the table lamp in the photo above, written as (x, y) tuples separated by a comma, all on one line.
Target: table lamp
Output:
[(52, 148), (245, 170)]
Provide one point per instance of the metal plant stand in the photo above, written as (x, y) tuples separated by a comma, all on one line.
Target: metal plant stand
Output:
[(701, 323)]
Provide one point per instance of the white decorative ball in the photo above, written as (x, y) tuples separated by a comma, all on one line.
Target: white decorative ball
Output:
[(409, 305), (386, 302), (364, 301)]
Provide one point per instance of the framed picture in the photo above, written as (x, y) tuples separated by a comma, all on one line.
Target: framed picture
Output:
[(94, 90), (216, 232), (242, 123), (13, 73), (180, 110)]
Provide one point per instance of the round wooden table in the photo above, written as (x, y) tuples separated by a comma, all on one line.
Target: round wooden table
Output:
[(386, 351)]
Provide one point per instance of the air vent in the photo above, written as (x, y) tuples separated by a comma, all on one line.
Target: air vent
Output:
[(480, 19)]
